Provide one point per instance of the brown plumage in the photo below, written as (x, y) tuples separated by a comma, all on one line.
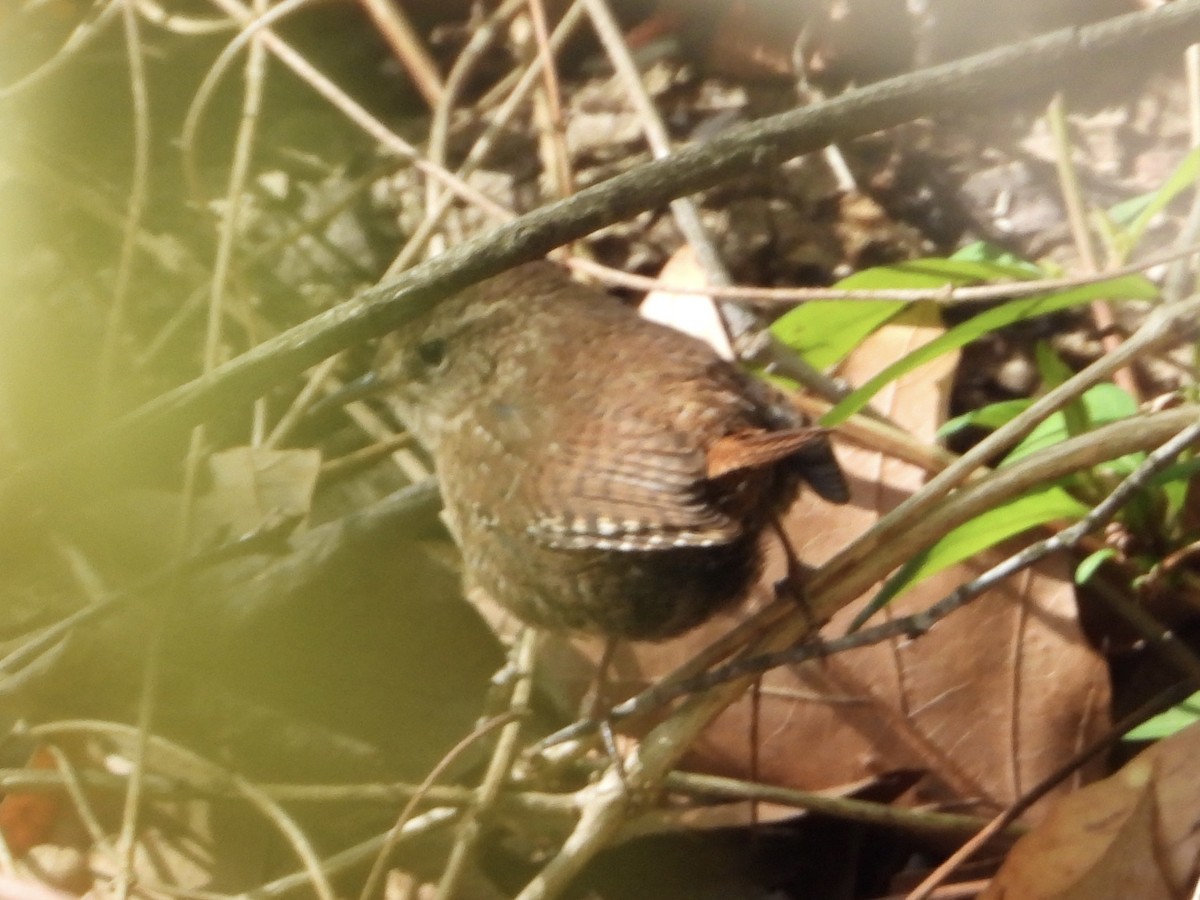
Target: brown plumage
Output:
[(600, 472)]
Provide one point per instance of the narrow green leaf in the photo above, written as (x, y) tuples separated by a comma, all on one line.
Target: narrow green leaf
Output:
[(1055, 372), (1168, 723), (901, 579), (990, 417), (935, 272), (1183, 178), (982, 251), (1102, 405), (1130, 286), (1050, 366), (1092, 563), (1180, 471), (824, 331), (1175, 493), (981, 533), (1175, 482), (995, 525)]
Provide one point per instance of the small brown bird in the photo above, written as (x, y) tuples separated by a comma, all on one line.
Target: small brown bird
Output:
[(600, 472)]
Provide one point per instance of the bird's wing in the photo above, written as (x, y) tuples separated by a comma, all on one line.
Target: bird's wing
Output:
[(624, 485)]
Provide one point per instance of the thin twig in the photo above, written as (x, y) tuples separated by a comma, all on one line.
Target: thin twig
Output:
[(342, 101), (1072, 195), (176, 23), (947, 295), (548, 107), (470, 829), (152, 672), (735, 323), (204, 774), (259, 541), (486, 142), (388, 842), (1113, 443), (208, 86), (304, 399), (546, 806), (81, 36), (83, 807), (439, 127), (355, 856), (1068, 179), (292, 833), (305, 226), (235, 195), (1164, 327), (849, 809), (555, 746), (115, 321), (364, 457), (407, 47)]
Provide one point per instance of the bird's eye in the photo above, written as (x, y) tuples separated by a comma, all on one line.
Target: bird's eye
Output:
[(432, 353)]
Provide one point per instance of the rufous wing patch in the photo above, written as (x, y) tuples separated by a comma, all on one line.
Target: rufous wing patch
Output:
[(756, 448)]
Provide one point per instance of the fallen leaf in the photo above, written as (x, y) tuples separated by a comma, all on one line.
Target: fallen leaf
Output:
[(1133, 834), (254, 485)]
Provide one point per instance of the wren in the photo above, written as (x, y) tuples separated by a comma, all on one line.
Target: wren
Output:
[(600, 472)]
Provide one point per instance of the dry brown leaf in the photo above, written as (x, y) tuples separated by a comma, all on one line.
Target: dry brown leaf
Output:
[(253, 485), (1133, 834)]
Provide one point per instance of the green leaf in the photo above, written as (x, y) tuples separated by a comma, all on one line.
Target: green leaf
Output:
[(1139, 211), (982, 251), (1131, 286), (1122, 467), (995, 525), (1054, 373), (1175, 481), (1180, 471), (935, 272), (1092, 563), (1168, 723), (1050, 366), (990, 417), (1125, 212), (982, 532), (1102, 405), (824, 331), (887, 592), (1175, 494)]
